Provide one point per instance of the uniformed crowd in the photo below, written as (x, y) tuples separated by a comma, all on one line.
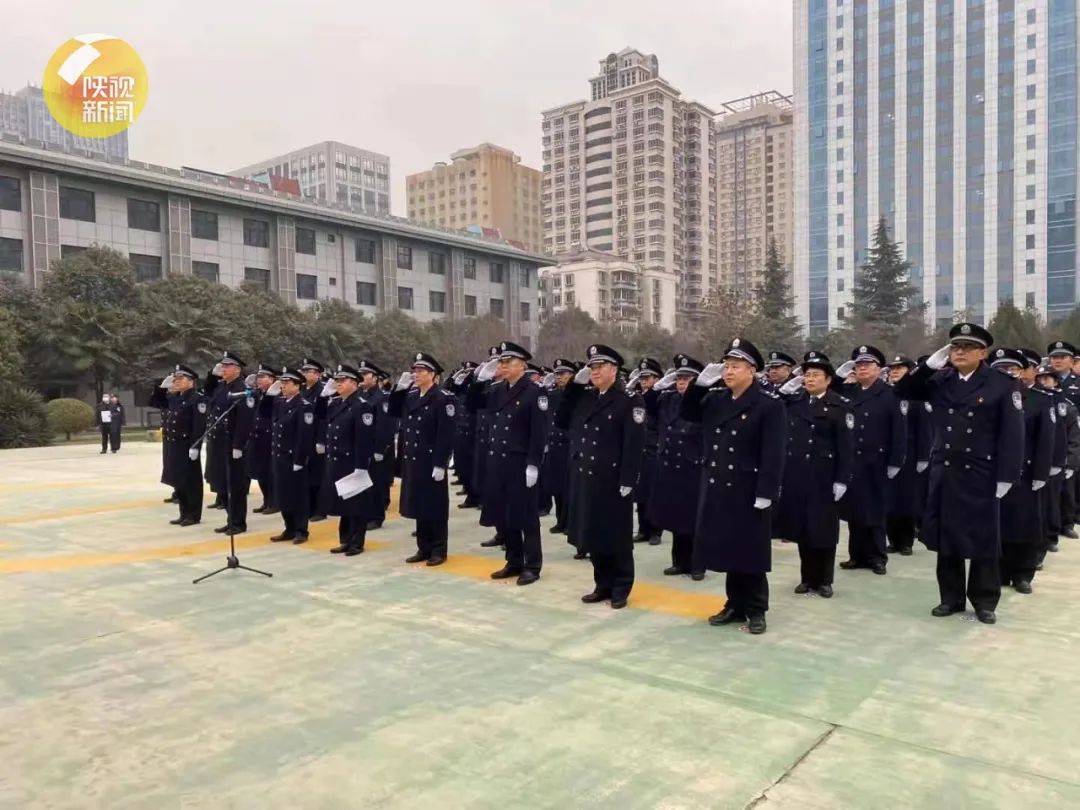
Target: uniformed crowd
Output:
[(972, 450)]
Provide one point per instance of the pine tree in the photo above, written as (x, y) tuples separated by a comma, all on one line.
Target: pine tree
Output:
[(885, 302), (1017, 328), (774, 326)]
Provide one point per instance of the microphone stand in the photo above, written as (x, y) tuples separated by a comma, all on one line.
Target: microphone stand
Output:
[(232, 561)]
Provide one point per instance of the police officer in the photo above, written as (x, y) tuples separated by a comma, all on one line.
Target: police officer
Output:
[(260, 462), (427, 415), (1022, 513), (778, 369), (606, 425), (1064, 461), (902, 494), (553, 472), (465, 459), (977, 457), (234, 411), (182, 426), (880, 445), (350, 442), (1062, 355), (483, 442), (382, 471), (292, 441), (518, 410), (642, 379), (116, 423), (817, 471), (673, 505), (745, 435), (310, 391)]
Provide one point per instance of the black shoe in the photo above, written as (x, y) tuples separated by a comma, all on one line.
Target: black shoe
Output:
[(1022, 586), (545, 513), (217, 505), (906, 551), (654, 540), (300, 540), (825, 591), (879, 569), (176, 521), (849, 565), (618, 604), (1070, 533), (222, 529), (270, 510), (468, 503), (316, 518), (353, 551), (802, 587), (594, 597), (527, 578), (506, 572), (945, 610), (436, 561), (557, 529), (259, 509), (581, 555), (188, 522), (101, 453), (986, 616), (756, 624), (640, 537), (284, 536), (726, 616), (673, 571), (374, 524), (415, 558), (341, 550), (891, 549), (172, 499), (697, 576), (494, 542), (1053, 546)]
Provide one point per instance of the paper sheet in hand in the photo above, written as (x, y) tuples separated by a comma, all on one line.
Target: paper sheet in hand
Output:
[(106, 417), (353, 484)]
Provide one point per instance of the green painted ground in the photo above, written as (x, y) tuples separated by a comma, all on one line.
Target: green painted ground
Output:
[(367, 683)]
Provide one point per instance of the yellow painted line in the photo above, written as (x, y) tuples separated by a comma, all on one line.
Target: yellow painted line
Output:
[(60, 514), (30, 487)]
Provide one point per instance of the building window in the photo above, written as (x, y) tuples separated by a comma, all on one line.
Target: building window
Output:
[(208, 271), (11, 255), (10, 194), (1029, 267), (307, 287), (568, 279), (144, 215), (1029, 241), (67, 251), (437, 264), (365, 251), (404, 257), (496, 308), (497, 273), (257, 276), (436, 301), (525, 311), (77, 203), (204, 225), (1030, 217), (470, 305), (305, 241), (404, 298), (365, 293), (570, 298), (147, 268), (256, 233), (525, 277), (1029, 300), (470, 267)]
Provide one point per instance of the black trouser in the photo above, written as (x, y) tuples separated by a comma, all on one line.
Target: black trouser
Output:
[(983, 582), (352, 531), (189, 494), (560, 510), (613, 573), (239, 484), (747, 594), (682, 551), (266, 487), (431, 538), (523, 548), (544, 504), (866, 544), (1052, 507), (645, 527), (1018, 561), (900, 531), (1068, 502), (816, 565), (106, 434)]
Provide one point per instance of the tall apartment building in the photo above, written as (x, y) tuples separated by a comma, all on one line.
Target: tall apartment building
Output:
[(332, 172), (486, 186), (957, 121), (755, 180), (631, 171), (24, 114)]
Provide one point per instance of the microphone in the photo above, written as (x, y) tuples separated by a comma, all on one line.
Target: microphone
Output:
[(239, 394)]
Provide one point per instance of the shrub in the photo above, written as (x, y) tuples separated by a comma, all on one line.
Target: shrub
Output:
[(23, 422), (69, 416)]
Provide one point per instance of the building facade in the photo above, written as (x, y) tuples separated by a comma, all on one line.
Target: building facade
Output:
[(23, 114), (172, 221), (486, 186), (756, 185), (332, 172), (610, 289), (631, 171), (957, 121)]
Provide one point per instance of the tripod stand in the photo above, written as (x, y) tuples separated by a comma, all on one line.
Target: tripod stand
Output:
[(232, 561)]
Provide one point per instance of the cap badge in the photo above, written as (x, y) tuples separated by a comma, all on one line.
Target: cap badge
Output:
[(965, 329), (735, 343)]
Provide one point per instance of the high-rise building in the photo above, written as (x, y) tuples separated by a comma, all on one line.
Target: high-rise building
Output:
[(332, 172), (956, 121), (754, 176), (486, 186), (25, 114), (631, 171)]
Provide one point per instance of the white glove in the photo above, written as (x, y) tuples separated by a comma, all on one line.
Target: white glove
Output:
[(762, 503), (797, 371), (792, 386), (193, 453), (217, 370), (892, 471), (582, 376), (275, 389), (710, 375), (1069, 474), (459, 378), (548, 381), (532, 475), (920, 466), (1002, 488), (634, 377), (1055, 471), (838, 491), (237, 454), (167, 382), (320, 448), (377, 456), (936, 361), (624, 491), (845, 369), (665, 382), (438, 473), (329, 389), (249, 380), (1037, 485), (404, 382), (297, 467), (487, 370)]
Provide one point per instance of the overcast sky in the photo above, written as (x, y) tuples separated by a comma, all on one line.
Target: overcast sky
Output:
[(236, 81)]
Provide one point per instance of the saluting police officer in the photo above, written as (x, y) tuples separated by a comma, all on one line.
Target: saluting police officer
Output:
[(977, 458), (182, 425), (745, 435), (1062, 355), (518, 422), (674, 503), (465, 459), (382, 471), (643, 378), (229, 437), (260, 462), (292, 442), (310, 391), (488, 510), (1064, 461), (778, 370), (817, 471), (902, 494), (606, 425), (556, 455), (427, 415)]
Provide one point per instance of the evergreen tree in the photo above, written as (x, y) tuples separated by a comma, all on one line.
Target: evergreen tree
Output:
[(884, 302), (1017, 328), (774, 326)]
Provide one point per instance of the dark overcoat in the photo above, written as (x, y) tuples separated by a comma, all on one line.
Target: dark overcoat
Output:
[(427, 441), (182, 424), (292, 442), (350, 441), (258, 455), (674, 503), (557, 453), (1022, 510), (880, 443)]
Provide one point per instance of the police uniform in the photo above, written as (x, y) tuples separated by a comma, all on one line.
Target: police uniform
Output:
[(643, 492), (292, 441), (743, 466), (260, 462), (607, 433), (382, 459), (902, 492), (557, 452), (182, 426), (230, 403), (465, 459), (1069, 386), (317, 462), (483, 438), (978, 448)]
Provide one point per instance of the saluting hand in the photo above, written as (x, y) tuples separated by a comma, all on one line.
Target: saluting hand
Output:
[(582, 376), (487, 370), (404, 382), (666, 381), (167, 382), (710, 375), (936, 361), (845, 369)]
